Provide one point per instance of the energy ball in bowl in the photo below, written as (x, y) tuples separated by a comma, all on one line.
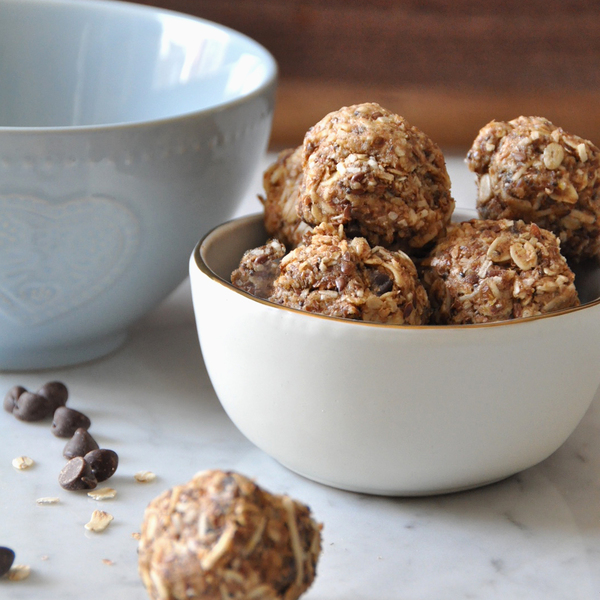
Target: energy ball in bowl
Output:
[(369, 170), (335, 276), (258, 269), (530, 169), (491, 270), (222, 536), (281, 182)]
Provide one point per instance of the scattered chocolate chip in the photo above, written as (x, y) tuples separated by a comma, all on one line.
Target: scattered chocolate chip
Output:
[(56, 392), (7, 557), (67, 420), (77, 475), (32, 407), (10, 400), (103, 463), (80, 444)]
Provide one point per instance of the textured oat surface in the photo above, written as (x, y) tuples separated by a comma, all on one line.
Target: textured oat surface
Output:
[(258, 269), (281, 182), (335, 276), (221, 536), (530, 169), (369, 170), (488, 270)]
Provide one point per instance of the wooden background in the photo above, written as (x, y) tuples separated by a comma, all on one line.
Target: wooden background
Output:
[(448, 66)]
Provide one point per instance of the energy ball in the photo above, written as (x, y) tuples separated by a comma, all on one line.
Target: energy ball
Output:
[(491, 270), (369, 170), (221, 536), (332, 275), (281, 182), (529, 169), (258, 269)]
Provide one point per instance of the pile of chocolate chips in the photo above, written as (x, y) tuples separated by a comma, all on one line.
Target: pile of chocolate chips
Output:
[(88, 464)]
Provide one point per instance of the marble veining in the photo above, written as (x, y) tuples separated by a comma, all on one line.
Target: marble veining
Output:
[(534, 536)]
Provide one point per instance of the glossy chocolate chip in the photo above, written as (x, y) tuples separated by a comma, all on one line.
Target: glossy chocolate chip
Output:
[(32, 407), (77, 475), (381, 282), (56, 392), (67, 421), (7, 557), (10, 400), (80, 444), (103, 462)]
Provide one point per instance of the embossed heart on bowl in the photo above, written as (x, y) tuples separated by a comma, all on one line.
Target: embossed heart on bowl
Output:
[(58, 255)]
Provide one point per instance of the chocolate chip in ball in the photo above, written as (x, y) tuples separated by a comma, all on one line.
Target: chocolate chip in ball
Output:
[(103, 462), (10, 400), (80, 444), (381, 282), (77, 475), (67, 420), (32, 407), (7, 557), (56, 393)]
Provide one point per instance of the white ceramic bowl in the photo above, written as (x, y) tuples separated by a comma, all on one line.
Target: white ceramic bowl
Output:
[(126, 133), (393, 410)]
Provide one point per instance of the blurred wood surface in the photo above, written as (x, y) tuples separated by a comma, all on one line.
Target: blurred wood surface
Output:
[(448, 66)]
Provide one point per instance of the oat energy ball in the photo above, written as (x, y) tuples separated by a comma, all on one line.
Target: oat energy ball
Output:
[(332, 275), (258, 269), (490, 270), (530, 169), (281, 182), (221, 536), (369, 170)]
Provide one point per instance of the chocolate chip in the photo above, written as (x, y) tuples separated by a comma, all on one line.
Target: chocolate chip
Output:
[(10, 400), (80, 444), (77, 475), (341, 282), (32, 407), (56, 392), (67, 420), (381, 282), (103, 463), (7, 557)]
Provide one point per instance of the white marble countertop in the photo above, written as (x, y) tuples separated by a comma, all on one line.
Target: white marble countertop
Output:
[(533, 536)]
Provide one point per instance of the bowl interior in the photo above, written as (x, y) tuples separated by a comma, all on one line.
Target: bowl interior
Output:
[(222, 249), (73, 63)]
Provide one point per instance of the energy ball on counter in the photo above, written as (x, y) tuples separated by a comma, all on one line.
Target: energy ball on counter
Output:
[(369, 170), (258, 269), (491, 270), (281, 182), (221, 536), (529, 169), (332, 275)]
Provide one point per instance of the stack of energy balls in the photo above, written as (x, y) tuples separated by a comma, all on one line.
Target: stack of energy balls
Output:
[(359, 219)]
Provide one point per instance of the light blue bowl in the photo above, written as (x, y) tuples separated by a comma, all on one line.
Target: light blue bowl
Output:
[(126, 133)]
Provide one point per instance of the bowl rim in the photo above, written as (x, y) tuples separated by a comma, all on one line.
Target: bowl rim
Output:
[(254, 217), (126, 6)]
